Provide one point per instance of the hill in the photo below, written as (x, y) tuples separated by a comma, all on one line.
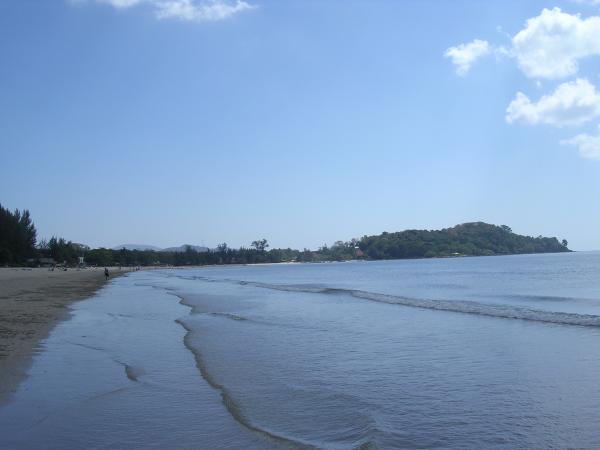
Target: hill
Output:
[(142, 247), (184, 247), (467, 239)]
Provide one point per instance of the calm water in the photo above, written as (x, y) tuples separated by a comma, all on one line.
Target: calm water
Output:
[(492, 352)]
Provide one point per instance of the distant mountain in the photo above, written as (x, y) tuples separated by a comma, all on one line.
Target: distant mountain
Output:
[(136, 247), (144, 247), (182, 248)]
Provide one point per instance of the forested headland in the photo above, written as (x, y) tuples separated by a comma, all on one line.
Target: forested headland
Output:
[(19, 246), (467, 239)]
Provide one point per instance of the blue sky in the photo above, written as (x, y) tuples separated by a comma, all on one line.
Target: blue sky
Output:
[(177, 121)]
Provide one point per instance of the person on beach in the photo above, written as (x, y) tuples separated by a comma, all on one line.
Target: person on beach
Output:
[(106, 274)]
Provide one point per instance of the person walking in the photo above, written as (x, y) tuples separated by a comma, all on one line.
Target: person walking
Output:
[(106, 274)]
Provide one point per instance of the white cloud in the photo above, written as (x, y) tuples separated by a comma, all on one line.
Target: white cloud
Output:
[(587, 2), (552, 43), (205, 11), (189, 10), (589, 146), (571, 104), (550, 46), (464, 55), (122, 3), (503, 52)]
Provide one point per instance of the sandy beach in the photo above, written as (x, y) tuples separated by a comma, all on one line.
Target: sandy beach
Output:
[(32, 301)]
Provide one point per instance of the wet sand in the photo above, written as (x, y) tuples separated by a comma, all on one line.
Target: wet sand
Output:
[(32, 302)]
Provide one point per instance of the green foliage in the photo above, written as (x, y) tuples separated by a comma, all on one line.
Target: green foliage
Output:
[(221, 255), (61, 251), (17, 237), (260, 245), (468, 239)]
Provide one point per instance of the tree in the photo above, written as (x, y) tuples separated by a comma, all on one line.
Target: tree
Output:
[(17, 236), (565, 243), (62, 250), (260, 245)]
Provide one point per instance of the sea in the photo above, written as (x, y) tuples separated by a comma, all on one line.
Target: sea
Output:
[(465, 353)]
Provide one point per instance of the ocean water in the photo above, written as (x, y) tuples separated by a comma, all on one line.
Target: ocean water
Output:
[(487, 352)]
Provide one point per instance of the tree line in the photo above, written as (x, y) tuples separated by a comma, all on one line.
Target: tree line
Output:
[(17, 236), (19, 246)]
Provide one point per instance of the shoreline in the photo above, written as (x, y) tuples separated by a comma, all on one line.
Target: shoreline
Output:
[(32, 303)]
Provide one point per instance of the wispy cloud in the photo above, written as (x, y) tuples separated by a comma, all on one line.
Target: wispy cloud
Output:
[(589, 146), (120, 3), (190, 10), (186, 10), (463, 56), (587, 2)]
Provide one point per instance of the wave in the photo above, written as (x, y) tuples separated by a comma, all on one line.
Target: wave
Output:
[(491, 310), (228, 401), (228, 316), (132, 373), (547, 298), (230, 404), (458, 306)]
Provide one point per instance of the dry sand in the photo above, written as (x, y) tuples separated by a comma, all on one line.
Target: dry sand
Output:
[(32, 301)]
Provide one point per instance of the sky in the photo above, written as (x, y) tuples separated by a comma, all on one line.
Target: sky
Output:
[(166, 122)]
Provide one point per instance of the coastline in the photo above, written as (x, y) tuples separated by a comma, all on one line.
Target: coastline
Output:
[(32, 302)]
